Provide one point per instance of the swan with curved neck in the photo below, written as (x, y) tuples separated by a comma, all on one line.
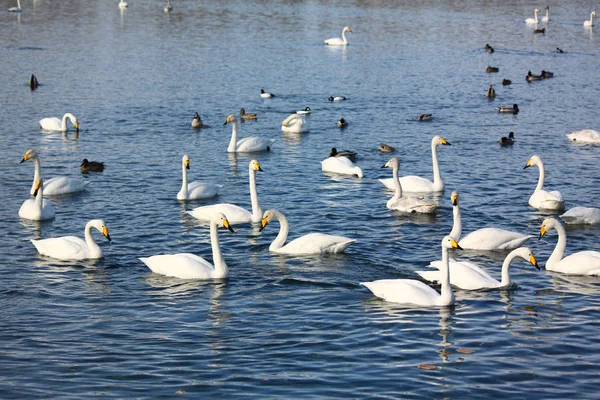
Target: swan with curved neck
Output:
[(246, 145), (37, 209), (312, 243), (541, 198), (191, 266), (337, 41), (416, 184), (590, 22), (237, 215), (409, 204), (194, 190), (484, 238), (533, 20), (410, 291), (341, 165), (580, 263), (295, 123), (55, 124), (53, 186), (72, 247), (469, 276)]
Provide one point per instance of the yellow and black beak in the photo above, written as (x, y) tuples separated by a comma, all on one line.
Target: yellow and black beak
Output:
[(527, 165), (263, 224), (445, 142), (187, 164), (542, 231), (77, 126), (228, 120), (226, 225), (258, 168), (455, 244), (533, 261), (384, 166), (25, 158), (37, 188), (105, 233), (454, 200)]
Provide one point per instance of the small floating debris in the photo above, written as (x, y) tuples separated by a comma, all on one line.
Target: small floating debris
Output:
[(463, 350), (427, 367)]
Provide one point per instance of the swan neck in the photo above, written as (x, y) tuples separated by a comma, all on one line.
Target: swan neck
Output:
[(344, 36), (284, 228), (437, 177), (397, 185), (233, 141), (559, 250), (457, 225), (218, 261), (37, 172), (540, 184), (63, 125), (447, 295), (505, 268), (39, 199), (256, 211), (184, 184), (94, 249)]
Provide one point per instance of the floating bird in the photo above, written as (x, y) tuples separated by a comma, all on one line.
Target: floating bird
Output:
[(506, 82), (582, 215), (507, 141), (265, 95), (246, 116), (531, 77), (546, 18), (542, 31), (508, 109), (533, 20), (55, 124), (385, 148), (71, 247), (489, 48), (542, 199), (123, 4), (491, 93), (168, 7), (425, 117), (559, 50), (194, 190), (492, 69), (196, 121), (409, 204), (248, 144), (585, 136), (337, 41), (591, 20), (342, 123), (547, 74), (295, 123), (16, 9), (341, 165), (336, 98), (91, 166), (351, 155), (33, 82), (37, 209), (306, 110)]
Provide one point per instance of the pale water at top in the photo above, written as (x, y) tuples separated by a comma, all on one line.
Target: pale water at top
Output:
[(283, 326)]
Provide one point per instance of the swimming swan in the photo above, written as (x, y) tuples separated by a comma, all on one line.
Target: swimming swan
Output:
[(53, 186), (546, 18), (582, 215), (295, 123), (585, 136), (55, 124), (338, 41), (410, 291), (72, 247), (409, 204), (237, 215), (469, 276), (341, 165), (591, 20), (246, 145), (581, 263), (541, 198), (312, 243), (191, 266), (194, 190), (37, 209), (533, 20), (416, 184)]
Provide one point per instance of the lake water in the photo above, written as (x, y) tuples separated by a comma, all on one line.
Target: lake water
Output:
[(282, 326)]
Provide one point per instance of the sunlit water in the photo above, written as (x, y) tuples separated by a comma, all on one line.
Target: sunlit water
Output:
[(288, 326)]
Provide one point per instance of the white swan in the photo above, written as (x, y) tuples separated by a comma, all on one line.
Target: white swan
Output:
[(547, 17), (55, 124), (582, 215), (295, 123), (53, 186), (533, 20), (72, 247), (418, 204), (585, 136), (168, 7), (591, 20), (541, 198), (123, 4), (581, 263), (191, 266), (416, 184), (194, 190), (17, 8), (469, 276), (246, 145), (341, 165), (37, 209), (338, 41), (410, 291), (237, 215), (312, 243), (485, 238)]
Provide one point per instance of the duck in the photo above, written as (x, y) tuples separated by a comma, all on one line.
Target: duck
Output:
[(491, 93), (425, 117), (337, 98), (337, 41), (55, 124), (588, 136), (191, 266), (305, 110), (533, 20), (91, 166), (386, 148), (37, 209), (410, 204), (295, 123), (246, 116), (506, 82), (507, 141), (541, 198), (341, 165), (542, 30), (54, 186), (250, 144), (411, 291), (123, 4), (580, 263), (469, 276), (492, 69), (312, 243), (582, 216), (351, 155), (16, 9), (237, 215), (590, 22), (194, 190), (33, 82), (196, 121), (547, 74), (416, 184), (508, 109), (531, 77), (70, 248), (265, 95), (342, 123), (546, 18), (168, 7), (559, 50), (489, 48)]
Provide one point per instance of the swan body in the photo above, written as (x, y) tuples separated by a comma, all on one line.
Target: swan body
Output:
[(54, 186), (17, 8), (72, 247), (305, 110), (410, 291), (312, 243), (582, 215), (409, 204), (337, 41), (341, 165), (55, 124), (194, 190), (250, 144), (350, 155), (469, 276), (590, 22), (91, 166), (196, 121), (265, 95), (237, 215), (533, 20), (508, 109), (37, 209), (295, 124), (416, 184), (546, 18), (541, 198), (491, 92), (581, 263), (507, 141), (585, 136), (123, 4), (191, 266)]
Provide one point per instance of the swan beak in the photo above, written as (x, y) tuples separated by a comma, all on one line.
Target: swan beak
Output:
[(105, 233), (226, 225), (542, 231), (228, 120), (528, 164), (384, 165), (445, 142), (77, 125), (533, 261), (258, 168), (187, 164), (454, 200), (23, 160), (455, 244), (263, 224)]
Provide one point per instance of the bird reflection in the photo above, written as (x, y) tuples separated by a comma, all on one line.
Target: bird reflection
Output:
[(446, 323)]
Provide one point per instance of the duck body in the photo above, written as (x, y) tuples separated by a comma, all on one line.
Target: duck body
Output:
[(55, 124), (490, 69), (247, 116), (547, 74), (304, 111), (250, 144), (425, 117), (508, 109), (543, 199), (337, 98), (33, 82), (489, 48), (265, 95), (581, 216), (491, 93), (194, 190), (508, 141), (351, 155), (91, 166), (339, 41), (72, 247), (531, 77), (409, 204), (588, 136), (559, 50), (341, 165), (342, 123), (295, 123), (196, 121), (506, 82)]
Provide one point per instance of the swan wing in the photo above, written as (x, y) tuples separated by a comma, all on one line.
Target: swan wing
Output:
[(585, 136), (581, 263), (406, 291), (182, 265), (341, 165), (582, 215), (493, 239), (416, 184), (235, 214), (317, 243), (63, 248), (546, 200), (199, 190), (63, 185), (418, 204), (334, 42), (51, 124), (464, 275), (253, 144)]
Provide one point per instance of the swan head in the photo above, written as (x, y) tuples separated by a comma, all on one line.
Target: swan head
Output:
[(231, 119), (221, 220), (533, 160), (101, 226), (347, 29), (438, 140), (536, 10), (449, 242), (454, 198), (549, 223), (29, 154), (268, 216), (527, 254), (255, 166), (392, 163), (593, 14), (185, 161)]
